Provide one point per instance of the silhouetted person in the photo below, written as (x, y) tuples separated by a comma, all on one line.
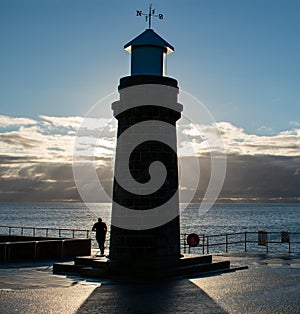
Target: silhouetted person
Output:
[(101, 229)]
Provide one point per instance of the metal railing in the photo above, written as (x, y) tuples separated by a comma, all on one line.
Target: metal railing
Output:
[(243, 241), (216, 243), (51, 233), (43, 249), (45, 232)]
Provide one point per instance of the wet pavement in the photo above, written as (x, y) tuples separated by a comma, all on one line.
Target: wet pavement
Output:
[(271, 284)]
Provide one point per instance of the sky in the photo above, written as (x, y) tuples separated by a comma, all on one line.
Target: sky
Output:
[(240, 59)]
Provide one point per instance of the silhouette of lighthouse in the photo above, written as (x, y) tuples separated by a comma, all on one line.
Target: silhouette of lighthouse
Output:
[(145, 212)]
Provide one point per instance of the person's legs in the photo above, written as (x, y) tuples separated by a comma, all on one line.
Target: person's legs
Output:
[(102, 246), (101, 242)]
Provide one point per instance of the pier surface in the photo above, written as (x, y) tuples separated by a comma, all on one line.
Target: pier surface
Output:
[(271, 284)]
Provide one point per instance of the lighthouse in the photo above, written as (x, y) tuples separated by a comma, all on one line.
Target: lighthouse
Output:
[(145, 211), (145, 224)]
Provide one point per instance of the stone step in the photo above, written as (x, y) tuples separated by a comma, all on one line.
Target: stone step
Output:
[(102, 267), (84, 260), (88, 260), (66, 268), (101, 263), (192, 260), (161, 265), (93, 272), (198, 268), (174, 270)]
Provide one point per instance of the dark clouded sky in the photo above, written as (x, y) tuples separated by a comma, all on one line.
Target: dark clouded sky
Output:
[(239, 58)]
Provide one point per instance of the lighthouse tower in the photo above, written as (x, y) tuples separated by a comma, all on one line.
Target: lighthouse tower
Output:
[(145, 210), (145, 225)]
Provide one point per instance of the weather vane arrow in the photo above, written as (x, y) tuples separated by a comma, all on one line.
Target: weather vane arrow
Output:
[(149, 15)]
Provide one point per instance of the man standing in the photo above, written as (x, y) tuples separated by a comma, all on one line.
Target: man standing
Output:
[(101, 229)]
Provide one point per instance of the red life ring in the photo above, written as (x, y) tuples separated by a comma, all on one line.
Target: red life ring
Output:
[(193, 239)]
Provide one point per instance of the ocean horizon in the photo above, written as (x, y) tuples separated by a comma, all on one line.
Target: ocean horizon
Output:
[(221, 218)]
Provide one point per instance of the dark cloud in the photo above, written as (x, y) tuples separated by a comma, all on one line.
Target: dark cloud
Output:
[(35, 190), (44, 182), (261, 178), (7, 159), (265, 178), (15, 139)]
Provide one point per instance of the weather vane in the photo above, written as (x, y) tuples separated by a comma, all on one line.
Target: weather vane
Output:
[(149, 15)]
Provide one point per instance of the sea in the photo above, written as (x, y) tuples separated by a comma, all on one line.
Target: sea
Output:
[(220, 219)]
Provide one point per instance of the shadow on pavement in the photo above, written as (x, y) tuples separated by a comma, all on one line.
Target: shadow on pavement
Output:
[(179, 296)]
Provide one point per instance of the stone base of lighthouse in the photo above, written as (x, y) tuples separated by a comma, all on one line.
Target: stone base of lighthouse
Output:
[(188, 266)]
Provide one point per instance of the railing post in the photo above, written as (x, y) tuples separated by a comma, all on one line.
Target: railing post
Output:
[(5, 253), (33, 232), (245, 241), (47, 229), (36, 251), (59, 233), (22, 231), (185, 242), (203, 244), (9, 230), (226, 246), (207, 245), (87, 233), (62, 249), (73, 233)]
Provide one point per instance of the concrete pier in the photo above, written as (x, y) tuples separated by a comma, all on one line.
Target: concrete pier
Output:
[(270, 285)]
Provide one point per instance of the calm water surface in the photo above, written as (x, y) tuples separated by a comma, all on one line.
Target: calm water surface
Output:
[(222, 218)]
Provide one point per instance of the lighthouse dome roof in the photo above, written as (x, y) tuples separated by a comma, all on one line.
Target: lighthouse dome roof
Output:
[(149, 38)]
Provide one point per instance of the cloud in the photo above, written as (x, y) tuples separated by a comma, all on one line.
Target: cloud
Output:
[(235, 140), (265, 130), (36, 158), (51, 139), (262, 178), (70, 122), (15, 139), (295, 123), (6, 121)]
